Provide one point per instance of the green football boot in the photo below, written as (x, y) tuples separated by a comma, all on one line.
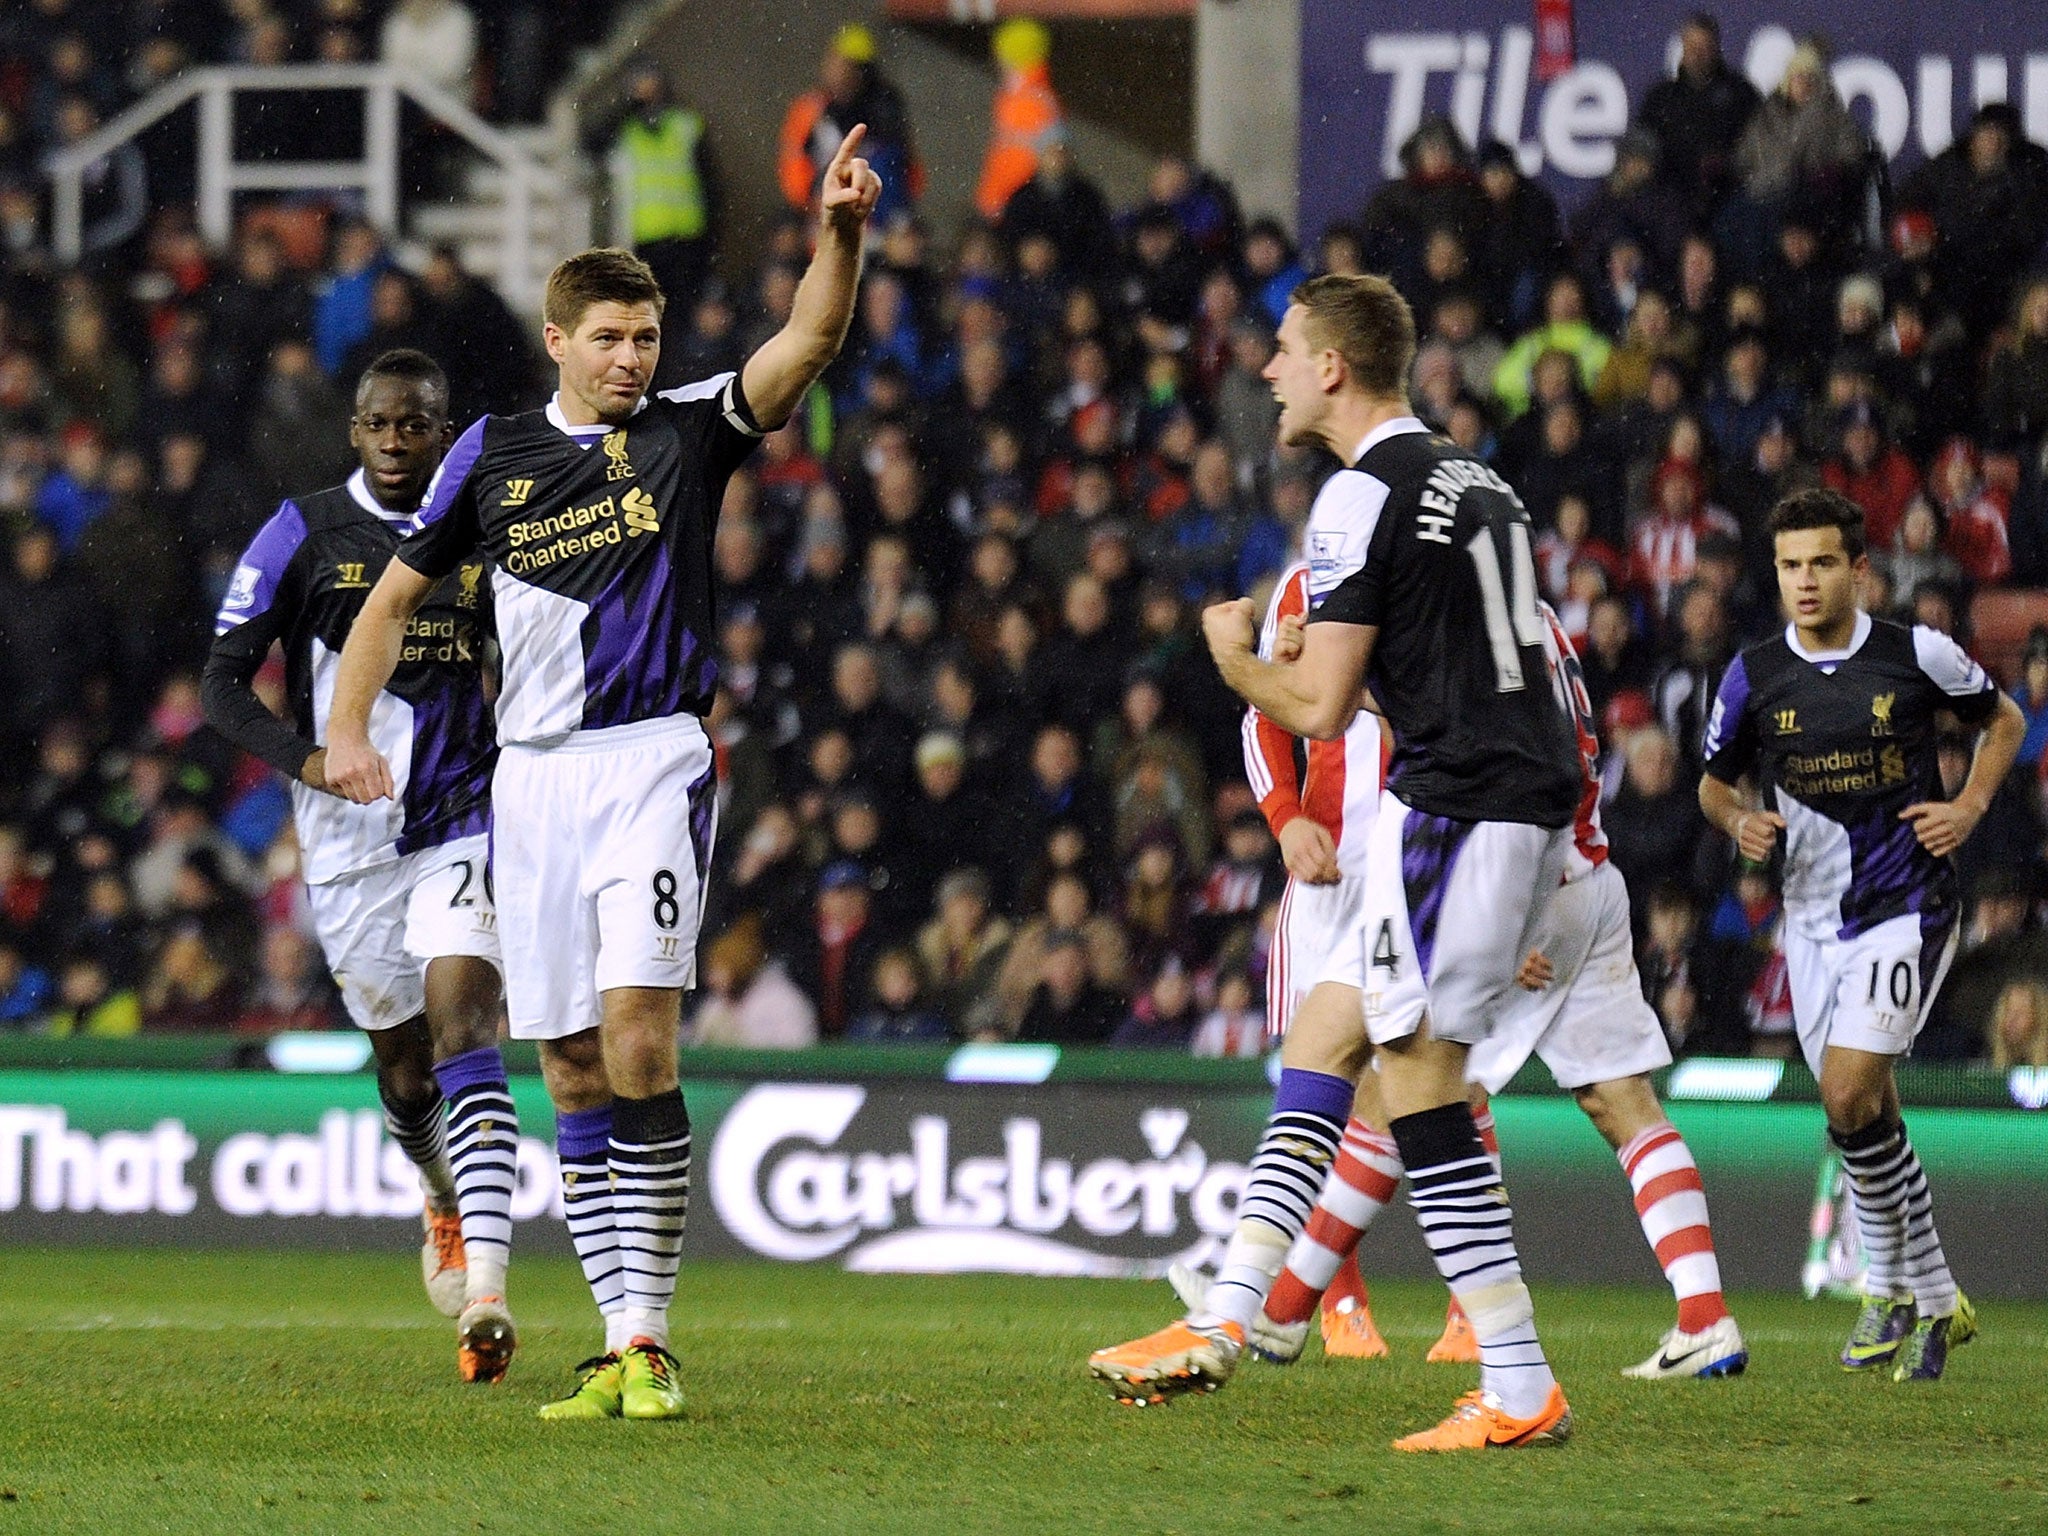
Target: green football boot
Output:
[(1924, 1354), (647, 1384), (1881, 1327), (596, 1396)]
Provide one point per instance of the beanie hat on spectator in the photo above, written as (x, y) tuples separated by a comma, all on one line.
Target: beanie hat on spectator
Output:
[(1718, 546), (1629, 710), (842, 874), (854, 43), (1913, 227), (1494, 152), (963, 882)]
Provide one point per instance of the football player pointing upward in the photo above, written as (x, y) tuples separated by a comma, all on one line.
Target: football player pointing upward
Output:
[(597, 516), (1835, 720)]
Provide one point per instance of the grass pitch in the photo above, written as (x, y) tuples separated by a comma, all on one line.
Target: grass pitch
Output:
[(305, 1393)]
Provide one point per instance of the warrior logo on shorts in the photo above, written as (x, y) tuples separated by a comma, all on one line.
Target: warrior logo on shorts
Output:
[(1881, 713), (620, 467)]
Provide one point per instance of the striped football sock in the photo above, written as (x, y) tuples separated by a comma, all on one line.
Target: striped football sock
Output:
[(583, 1146), (422, 1131), (1467, 1221), (1875, 1160), (1671, 1203), (650, 1161), (1891, 1186), (1361, 1184), (483, 1150), (1287, 1172)]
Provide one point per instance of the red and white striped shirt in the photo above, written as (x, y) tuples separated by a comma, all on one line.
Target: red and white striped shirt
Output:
[(1568, 680), (1341, 787)]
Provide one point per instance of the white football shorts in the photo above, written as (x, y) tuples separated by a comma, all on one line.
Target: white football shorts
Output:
[(1449, 909), (1316, 941), (379, 927), (1870, 993), (600, 846), (1591, 1024)]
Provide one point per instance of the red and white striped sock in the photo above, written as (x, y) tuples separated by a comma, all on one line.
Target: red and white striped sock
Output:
[(1482, 1122), (1361, 1182), (1671, 1202)]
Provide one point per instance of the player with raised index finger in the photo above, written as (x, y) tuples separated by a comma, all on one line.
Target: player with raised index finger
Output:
[(597, 515)]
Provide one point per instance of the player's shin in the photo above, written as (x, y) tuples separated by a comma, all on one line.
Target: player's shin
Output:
[(1671, 1204), (420, 1127), (1300, 1144), (583, 1139), (483, 1151), (650, 1168), (1465, 1218), (1361, 1183), (1894, 1206)]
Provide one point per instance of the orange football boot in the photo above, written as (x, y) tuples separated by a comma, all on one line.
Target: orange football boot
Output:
[(1479, 1424), (1349, 1332), (1459, 1345), (444, 1263), (1178, 1358)]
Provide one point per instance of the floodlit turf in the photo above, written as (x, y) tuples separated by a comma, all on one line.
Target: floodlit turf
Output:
[(221, 1393)]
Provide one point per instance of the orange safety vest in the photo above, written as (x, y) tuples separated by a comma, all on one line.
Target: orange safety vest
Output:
[(793, 167), (1026, 112)]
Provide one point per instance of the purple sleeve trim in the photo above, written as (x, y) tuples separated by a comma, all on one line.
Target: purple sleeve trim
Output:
[(1724, 723), (448, 480), (253, 588)]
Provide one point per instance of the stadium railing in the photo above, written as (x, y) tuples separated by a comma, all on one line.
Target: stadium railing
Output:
[(376, 174)]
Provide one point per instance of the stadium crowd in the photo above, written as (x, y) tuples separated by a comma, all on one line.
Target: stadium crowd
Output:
[(980, 777)]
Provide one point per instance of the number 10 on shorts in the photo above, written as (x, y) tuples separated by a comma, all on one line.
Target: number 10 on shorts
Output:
[(1892, 987)]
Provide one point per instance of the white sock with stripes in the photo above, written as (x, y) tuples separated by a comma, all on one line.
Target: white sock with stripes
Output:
[(421, 1131), (1465, 1217), (650, 1163), (483, 1151), (1300, 1144), (1895, 1213), (583, 1142)]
